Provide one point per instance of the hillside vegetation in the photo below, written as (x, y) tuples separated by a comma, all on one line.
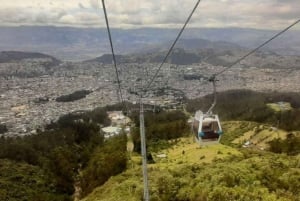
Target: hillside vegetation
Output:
[(160, 128), (252, 106), (72, 154), (46, 166), (268, 168), (21, 181), (214, 173)]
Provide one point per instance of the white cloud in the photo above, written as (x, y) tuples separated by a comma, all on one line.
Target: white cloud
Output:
[(274, 14), (94, 4)]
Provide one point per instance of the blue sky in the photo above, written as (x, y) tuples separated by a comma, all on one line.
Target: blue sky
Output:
[(261, 14)]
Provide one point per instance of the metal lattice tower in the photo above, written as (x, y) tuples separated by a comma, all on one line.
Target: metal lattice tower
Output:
[(144, 152)]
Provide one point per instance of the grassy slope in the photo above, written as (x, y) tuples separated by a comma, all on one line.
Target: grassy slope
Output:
[(258, 134), (277, 108), (198, 163), (128, 186), (189, 152)]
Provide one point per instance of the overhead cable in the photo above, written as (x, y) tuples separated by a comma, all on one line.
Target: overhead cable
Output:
[(171, 48), (257, 48), (120, 96)]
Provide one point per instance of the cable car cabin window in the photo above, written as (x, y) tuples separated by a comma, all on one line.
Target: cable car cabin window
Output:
[(210, 130), (210, 126)]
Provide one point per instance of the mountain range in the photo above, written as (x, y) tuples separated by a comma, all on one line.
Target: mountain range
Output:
[(69, 43), (15, 56)]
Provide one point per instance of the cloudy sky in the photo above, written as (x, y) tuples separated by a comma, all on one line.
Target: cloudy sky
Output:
[(265, 14)]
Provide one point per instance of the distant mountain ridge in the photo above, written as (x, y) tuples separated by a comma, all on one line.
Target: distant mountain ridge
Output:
[(27, 64), (11, 56), (69, 43), (199, 44), (214, 53), (187, 51), (178, 56)]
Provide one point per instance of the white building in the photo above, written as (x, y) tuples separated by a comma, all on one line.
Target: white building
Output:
[(111, 131)]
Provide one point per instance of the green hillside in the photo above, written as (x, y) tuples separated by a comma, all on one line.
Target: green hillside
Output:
[(259, 135), (254, 106), (70, 154), (215, 172), (257, 159)]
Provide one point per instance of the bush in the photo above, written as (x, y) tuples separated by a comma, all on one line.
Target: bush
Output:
[(77, 95), (290, 146), (3, 128)]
